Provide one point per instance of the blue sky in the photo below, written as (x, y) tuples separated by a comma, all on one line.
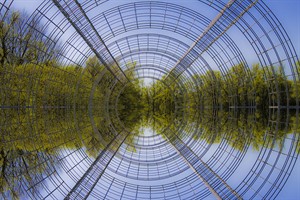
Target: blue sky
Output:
[(287, 11)]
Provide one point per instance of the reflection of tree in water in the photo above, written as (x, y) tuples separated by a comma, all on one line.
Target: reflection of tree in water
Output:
[(237, 127), (158, 107), (24, 168), (31, 140), (23, 164)]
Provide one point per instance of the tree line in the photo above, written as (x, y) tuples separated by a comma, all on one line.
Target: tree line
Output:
[(47, 106)]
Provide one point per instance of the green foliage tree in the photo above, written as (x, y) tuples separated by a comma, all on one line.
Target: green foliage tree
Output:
[(63, 99), (23, 40)]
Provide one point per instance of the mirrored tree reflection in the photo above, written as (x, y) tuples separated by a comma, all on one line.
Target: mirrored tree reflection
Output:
[(31, 144), (34, 136), (146, 100)]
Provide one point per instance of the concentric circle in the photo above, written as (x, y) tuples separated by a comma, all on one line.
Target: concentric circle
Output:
[(147, 100)]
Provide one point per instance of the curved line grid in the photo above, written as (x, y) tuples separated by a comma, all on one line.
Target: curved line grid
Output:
[(80, 146)]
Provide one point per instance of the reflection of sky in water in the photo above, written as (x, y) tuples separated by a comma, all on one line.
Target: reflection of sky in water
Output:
[(148, 132), (290, 191), (76, 162)]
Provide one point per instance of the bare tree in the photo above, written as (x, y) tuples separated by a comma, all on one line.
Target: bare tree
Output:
[(23, 39)]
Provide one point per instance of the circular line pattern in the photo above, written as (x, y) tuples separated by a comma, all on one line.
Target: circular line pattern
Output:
[(147, 39)]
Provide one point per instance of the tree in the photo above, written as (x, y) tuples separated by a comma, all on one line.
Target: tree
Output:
[(23, 39)]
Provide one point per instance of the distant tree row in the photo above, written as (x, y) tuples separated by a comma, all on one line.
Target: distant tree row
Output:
[(240, 87), (48, 106)]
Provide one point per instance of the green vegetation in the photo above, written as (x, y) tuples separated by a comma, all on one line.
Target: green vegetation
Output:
[(47, 106)]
